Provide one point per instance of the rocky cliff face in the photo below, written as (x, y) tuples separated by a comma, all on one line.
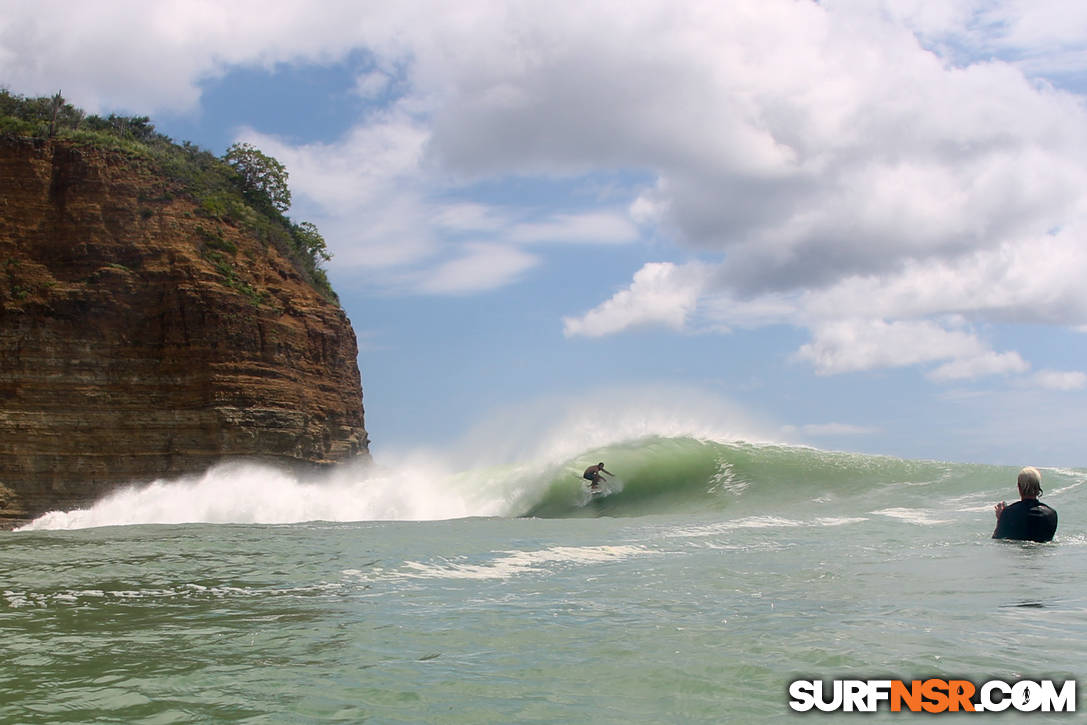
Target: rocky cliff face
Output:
[(142, 338)]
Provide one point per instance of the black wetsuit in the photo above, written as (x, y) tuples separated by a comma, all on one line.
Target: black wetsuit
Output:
[(1027, 520)]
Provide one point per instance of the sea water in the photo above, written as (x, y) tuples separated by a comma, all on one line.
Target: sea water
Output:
[(713, 575)]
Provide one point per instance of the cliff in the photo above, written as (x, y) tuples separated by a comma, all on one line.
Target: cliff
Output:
[(144, 336)]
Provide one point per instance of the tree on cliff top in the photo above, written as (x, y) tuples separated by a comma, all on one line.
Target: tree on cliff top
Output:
[(260, 175)]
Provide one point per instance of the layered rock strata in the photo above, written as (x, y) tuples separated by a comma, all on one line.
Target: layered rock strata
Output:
[(142, 338)]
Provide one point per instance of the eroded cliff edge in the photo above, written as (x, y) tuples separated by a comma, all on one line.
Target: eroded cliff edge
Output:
[(142, 336)]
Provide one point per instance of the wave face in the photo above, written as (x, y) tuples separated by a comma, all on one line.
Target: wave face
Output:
[(662, 475), (652, 475)]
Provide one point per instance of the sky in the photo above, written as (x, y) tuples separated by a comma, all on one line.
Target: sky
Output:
[(853, 224)]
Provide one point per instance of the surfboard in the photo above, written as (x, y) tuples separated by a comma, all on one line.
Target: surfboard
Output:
[(592, 493), (602, 490)]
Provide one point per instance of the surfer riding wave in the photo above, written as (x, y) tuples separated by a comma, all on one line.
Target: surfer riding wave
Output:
[(594, 475)]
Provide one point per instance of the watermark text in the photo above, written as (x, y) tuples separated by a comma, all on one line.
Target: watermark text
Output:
[(932, 695)]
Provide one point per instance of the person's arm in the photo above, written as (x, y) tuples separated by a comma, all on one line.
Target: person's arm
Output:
[(999, 509)]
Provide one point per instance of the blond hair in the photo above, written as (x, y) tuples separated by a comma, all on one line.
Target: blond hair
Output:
[(1030, 482)]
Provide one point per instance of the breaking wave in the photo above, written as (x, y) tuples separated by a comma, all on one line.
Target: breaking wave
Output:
[(662, 466)]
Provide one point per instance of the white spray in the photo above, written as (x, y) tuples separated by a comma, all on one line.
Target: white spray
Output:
[(500, 468)]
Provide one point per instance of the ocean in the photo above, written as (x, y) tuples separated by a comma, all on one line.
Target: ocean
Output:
[(713, 574)]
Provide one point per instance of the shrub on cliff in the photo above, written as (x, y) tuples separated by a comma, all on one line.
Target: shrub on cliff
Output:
[(37, 116), (246, 187)]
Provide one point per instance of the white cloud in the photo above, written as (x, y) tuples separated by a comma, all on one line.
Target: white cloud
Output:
[(836, 170), (1029, 280), (1059, 380), (851, 345), (982, 363), (373, 84), (470, 217), (592, 227), (481, 267), (661, 294)]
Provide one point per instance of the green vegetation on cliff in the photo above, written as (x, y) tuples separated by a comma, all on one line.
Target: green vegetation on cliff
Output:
[(244, 188)]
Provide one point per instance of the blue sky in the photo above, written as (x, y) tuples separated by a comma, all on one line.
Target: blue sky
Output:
[(855, 225)]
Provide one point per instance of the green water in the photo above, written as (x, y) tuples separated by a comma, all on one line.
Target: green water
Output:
[(804, 566)]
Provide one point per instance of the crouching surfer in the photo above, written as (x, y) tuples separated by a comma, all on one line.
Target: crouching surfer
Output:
[(594, 475), (1027, 519)]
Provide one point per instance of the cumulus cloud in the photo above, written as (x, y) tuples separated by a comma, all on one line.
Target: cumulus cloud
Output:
[(902, 187), (661, 294), (850, 345), (878, 173), (153, 56)]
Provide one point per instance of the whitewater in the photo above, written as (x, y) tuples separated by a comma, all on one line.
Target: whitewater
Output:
[(485, 584)]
